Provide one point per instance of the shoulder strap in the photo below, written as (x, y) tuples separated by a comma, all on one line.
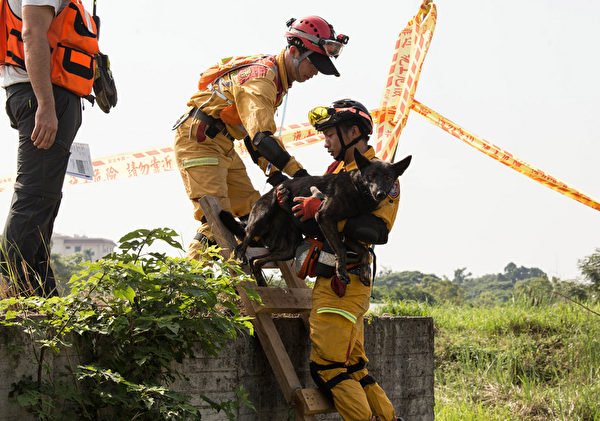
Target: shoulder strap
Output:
[(218, 79), (96, 19)]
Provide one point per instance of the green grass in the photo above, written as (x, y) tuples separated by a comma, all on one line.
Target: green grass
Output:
[(513, 361)]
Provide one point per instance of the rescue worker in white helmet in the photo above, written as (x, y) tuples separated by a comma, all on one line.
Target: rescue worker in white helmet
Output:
[(237, 100), (338, 360)]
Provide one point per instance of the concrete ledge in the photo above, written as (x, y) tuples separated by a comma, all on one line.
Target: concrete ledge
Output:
[(400, 350)]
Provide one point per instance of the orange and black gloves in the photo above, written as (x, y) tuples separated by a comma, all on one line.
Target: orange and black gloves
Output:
[(283, 198), (307, 207)]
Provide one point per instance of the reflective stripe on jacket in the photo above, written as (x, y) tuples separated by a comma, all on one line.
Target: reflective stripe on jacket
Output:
[(73, 40)]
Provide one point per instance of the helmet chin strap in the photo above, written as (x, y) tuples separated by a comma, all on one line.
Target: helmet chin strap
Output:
[(341, 155), (296, 62)]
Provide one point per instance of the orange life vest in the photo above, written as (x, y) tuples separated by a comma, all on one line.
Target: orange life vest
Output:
[(73, 40), (210, 79), (227, 65)]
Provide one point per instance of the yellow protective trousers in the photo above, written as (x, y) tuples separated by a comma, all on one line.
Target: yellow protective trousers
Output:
[(212, 167), (338, 360)]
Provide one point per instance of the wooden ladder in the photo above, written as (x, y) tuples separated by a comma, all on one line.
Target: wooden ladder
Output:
[(296, 298)]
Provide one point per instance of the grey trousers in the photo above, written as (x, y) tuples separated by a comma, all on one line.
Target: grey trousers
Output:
[(38, 189)]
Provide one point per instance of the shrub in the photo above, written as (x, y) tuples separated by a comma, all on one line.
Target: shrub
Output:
[(135, 312)]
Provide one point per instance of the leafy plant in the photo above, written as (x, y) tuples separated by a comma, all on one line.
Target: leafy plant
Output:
[(127, 319)]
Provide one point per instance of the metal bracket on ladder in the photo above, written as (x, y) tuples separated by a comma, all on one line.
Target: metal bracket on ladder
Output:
[(294, 299)]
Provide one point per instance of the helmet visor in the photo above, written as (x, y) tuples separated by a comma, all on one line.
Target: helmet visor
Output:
[(323, 64), (319, 115)]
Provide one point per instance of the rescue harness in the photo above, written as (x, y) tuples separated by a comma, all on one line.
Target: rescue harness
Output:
[(326, 386), (212, 80)]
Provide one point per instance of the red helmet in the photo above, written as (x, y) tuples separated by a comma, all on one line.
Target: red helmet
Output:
[(315, 34)]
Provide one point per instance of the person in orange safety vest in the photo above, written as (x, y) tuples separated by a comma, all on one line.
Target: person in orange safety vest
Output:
[(47, 50), (237, 100), (338, 360)]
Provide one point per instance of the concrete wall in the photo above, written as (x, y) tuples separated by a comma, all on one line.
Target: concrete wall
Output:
[(400, 350)]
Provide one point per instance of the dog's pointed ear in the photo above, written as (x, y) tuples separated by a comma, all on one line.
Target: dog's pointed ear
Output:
[(400, 167), (361, 161)]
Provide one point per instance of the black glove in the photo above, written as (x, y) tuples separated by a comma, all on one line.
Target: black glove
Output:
[(301, 173), (276, 178)]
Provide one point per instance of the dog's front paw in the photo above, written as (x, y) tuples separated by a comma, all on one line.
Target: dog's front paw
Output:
[(240, 254)]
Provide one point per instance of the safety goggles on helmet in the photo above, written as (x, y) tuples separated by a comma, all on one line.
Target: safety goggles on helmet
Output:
[(318, 115), (330, 47), (322, 117), (333, 48)]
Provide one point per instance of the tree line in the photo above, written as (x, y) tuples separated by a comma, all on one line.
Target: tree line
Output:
[(515, 281), (532, 284)]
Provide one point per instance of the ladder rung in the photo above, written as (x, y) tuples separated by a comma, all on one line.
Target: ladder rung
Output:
[(313, 402), (283, 300), (258, 251)]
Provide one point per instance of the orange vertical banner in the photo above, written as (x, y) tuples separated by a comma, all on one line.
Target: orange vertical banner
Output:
[(409, 54)]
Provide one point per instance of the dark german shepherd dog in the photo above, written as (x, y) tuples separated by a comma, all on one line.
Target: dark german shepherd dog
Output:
[(344, 195)]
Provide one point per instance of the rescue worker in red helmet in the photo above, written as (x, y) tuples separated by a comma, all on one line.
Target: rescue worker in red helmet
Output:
[(338, 360), (238, 100)]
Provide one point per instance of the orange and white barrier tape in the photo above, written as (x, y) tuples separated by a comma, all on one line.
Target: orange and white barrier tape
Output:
[(162, 159), (129, 165), (397, 101), (115, 167), (503, 156), (409, 54)]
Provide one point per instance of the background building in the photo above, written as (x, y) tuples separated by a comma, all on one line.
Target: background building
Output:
[(98, 247)]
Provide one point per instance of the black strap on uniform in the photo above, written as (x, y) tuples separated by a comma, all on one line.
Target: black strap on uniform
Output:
[(356, 367), (214, 125), (367, 380), (372, 251), (323, 386), (330, 384), (323, 367)]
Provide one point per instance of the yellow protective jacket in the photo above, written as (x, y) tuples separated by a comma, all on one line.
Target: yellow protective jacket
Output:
[(388, 208), (256, 91)]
